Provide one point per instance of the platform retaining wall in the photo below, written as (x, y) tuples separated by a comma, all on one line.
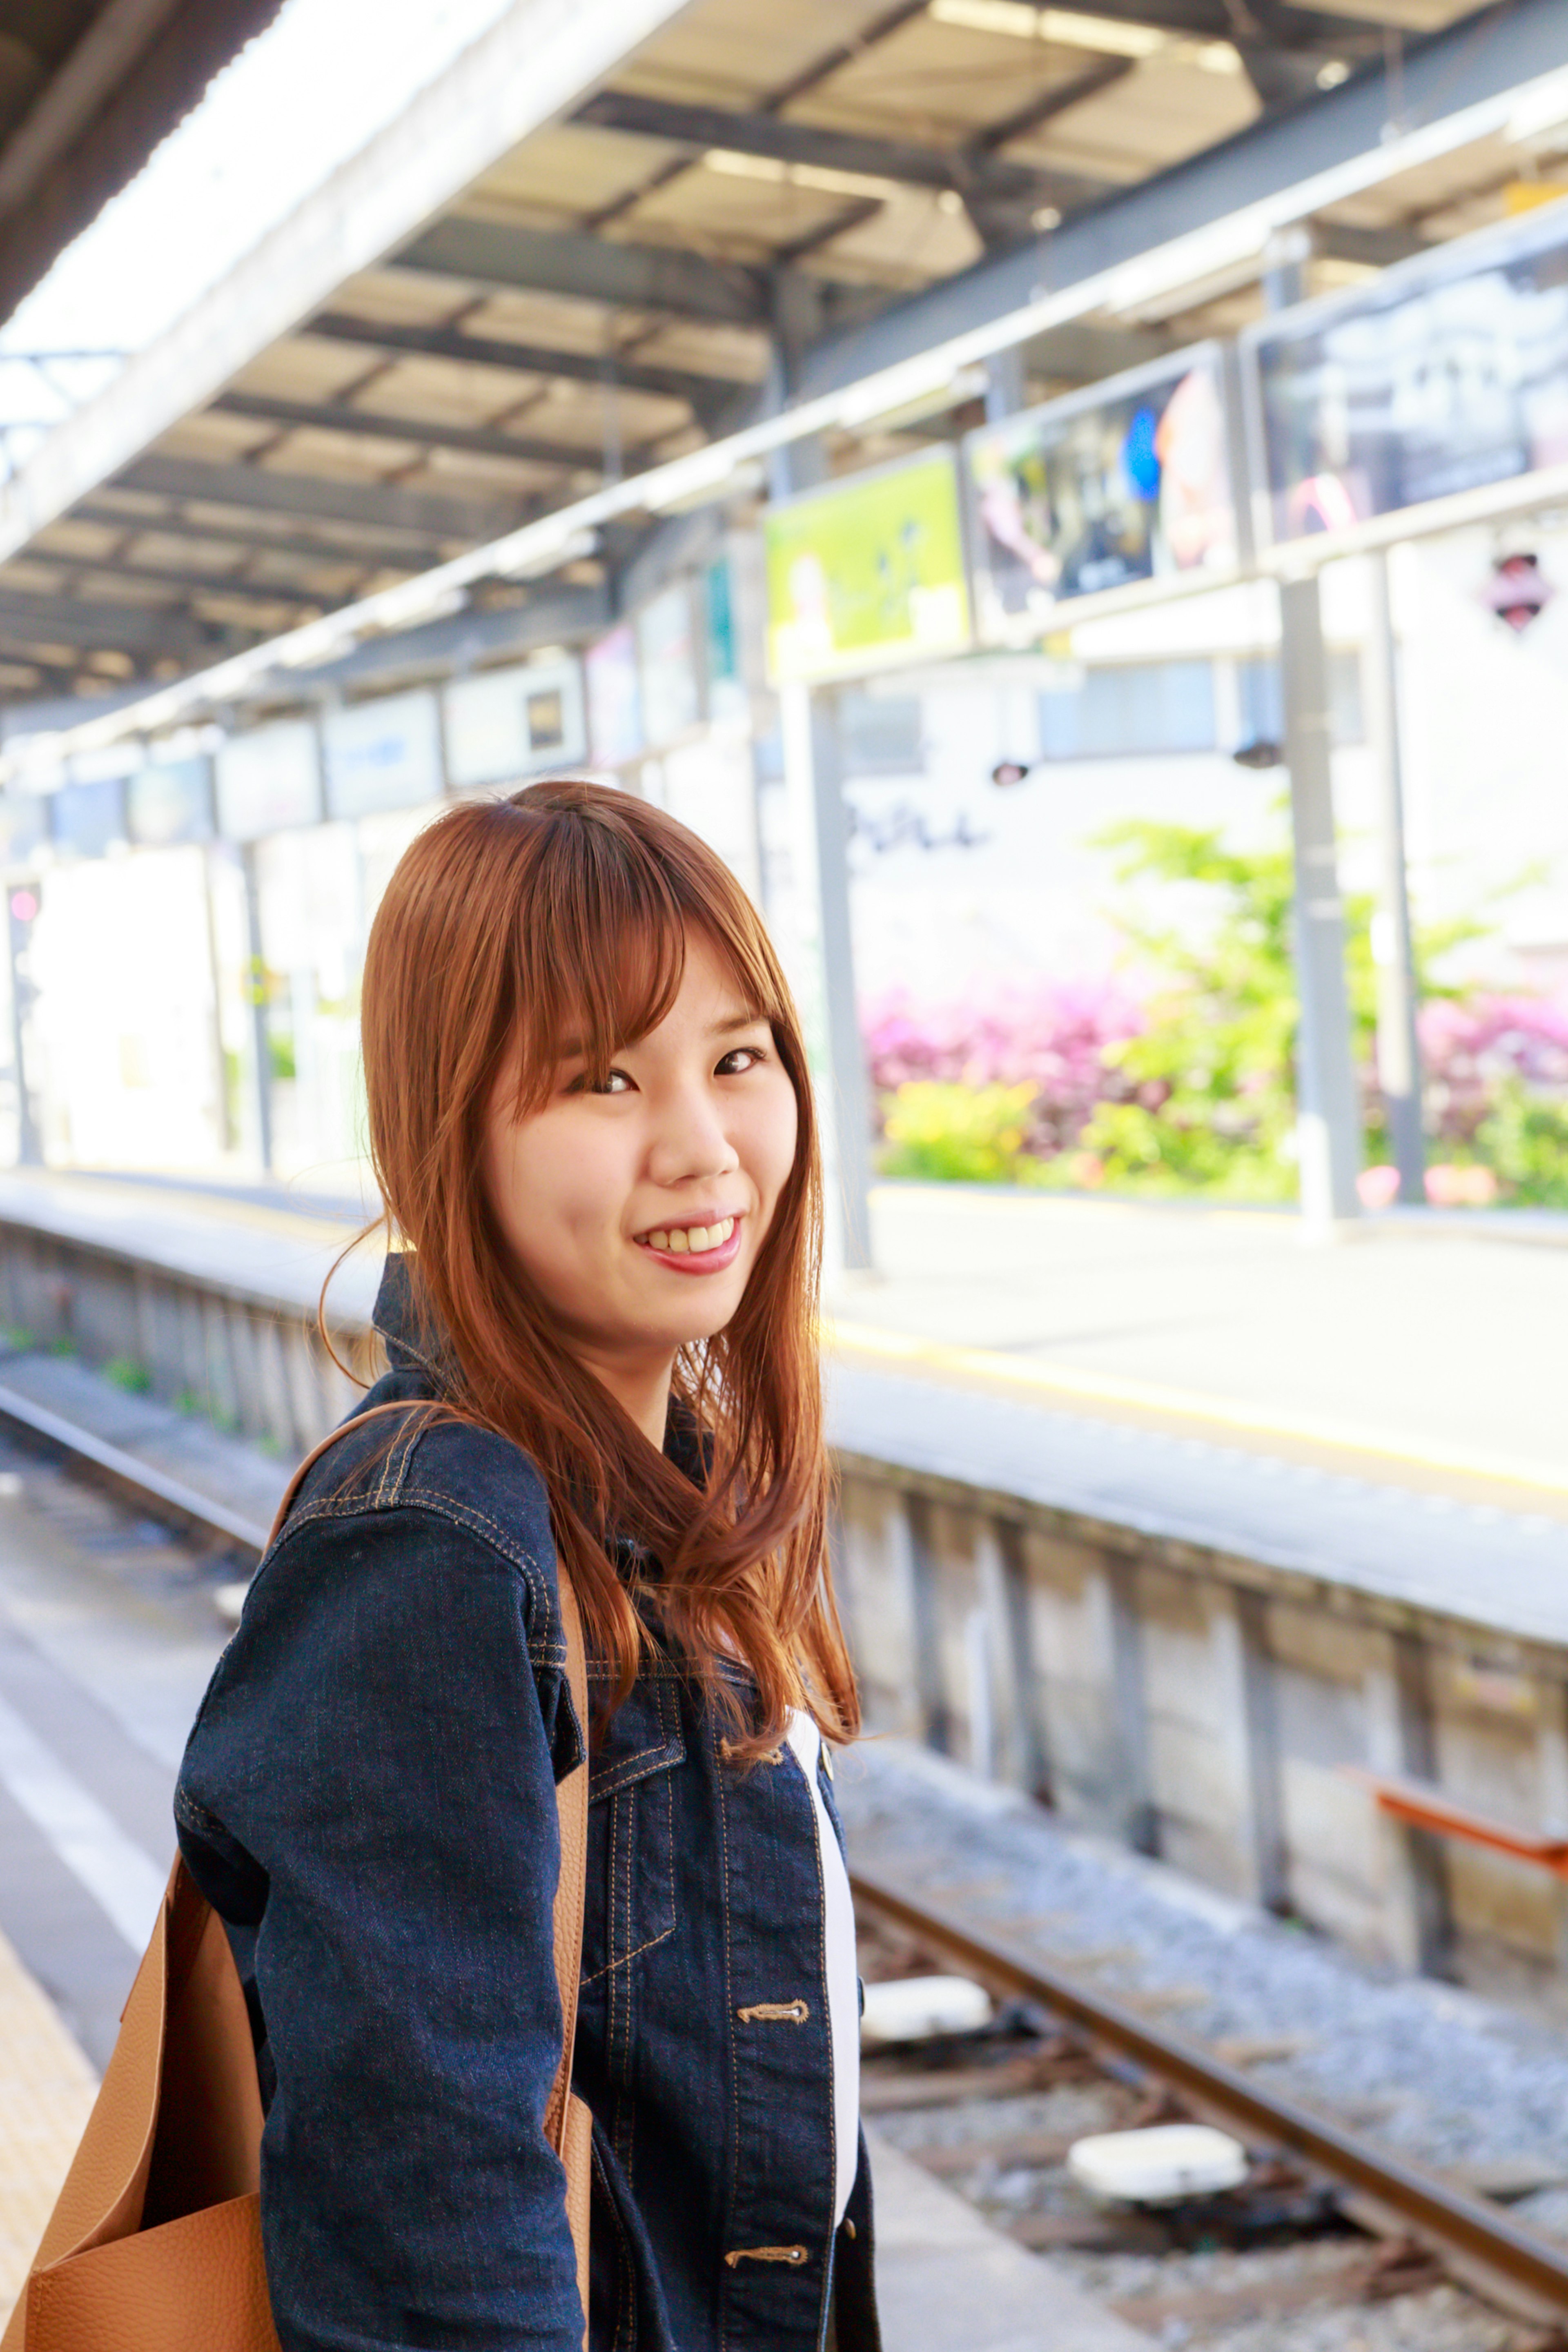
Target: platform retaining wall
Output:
[(1202, 1707), (1195, 1704)]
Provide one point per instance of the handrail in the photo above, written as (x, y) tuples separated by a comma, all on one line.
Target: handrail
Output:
[(1428, 1807)]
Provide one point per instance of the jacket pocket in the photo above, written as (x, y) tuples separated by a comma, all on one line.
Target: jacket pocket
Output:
[(630, 1903)]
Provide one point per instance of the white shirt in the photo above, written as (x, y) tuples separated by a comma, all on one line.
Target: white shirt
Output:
[(843, 1978)]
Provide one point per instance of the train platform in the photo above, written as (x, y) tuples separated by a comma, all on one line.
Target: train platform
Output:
[(107, 1636), (1386, 1415), (1422, 1350)]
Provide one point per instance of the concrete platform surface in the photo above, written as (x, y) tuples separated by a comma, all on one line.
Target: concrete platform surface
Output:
[(1389, 1413), (947, 2282)]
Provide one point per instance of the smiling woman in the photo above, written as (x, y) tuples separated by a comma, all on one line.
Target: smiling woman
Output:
[(595, 1137)]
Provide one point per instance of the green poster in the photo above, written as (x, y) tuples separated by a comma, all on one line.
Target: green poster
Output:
[(868, 573)]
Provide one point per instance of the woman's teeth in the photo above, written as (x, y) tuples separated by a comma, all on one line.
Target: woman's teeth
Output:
[(681, 1238)]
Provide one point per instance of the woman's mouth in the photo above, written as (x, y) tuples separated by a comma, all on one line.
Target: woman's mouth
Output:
[(694, 1248)]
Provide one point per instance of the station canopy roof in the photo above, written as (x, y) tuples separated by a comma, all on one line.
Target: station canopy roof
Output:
[(761, 197), (88, 88)]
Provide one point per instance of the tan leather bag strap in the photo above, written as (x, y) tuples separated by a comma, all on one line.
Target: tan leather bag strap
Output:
[(568, 2135)]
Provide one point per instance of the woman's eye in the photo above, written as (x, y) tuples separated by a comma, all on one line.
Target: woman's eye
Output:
[(616, 1082), (744, 1058)]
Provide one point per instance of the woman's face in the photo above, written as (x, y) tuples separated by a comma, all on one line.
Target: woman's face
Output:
[(637, 1210)]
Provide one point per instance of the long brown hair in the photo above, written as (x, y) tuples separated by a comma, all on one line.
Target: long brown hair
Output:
[(508, 926)]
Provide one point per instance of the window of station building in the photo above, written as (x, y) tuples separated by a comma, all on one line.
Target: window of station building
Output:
[(880, 734), (1132, 712), (546, 720), (1262, 700)]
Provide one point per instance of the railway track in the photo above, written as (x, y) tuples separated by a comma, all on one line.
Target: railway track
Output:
[(1313, 2175)]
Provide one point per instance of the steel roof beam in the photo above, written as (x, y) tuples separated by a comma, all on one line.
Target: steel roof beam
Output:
[(340, 416), (1477, 60), (780, 140), (122, 628), (589, 268), (137, 68), (1374, 249), (185, 583), (418, 515), (243, 533), (532, 64), (611, 369)]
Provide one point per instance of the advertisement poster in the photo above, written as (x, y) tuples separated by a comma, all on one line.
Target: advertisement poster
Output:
[(867, 574), (384, 754), (170, 801), (666, 664), (614, 708), (268, 781), (1100, 490), (1446, 374)]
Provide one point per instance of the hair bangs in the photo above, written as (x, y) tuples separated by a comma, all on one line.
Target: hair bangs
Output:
[(513, 932)]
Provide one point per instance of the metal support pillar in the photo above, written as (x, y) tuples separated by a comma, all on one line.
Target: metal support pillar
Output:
[(1398, 1043), (1328, 1114), (1328, 1124), (824, 965), (18, 932), (1006, 390), (256, 997)]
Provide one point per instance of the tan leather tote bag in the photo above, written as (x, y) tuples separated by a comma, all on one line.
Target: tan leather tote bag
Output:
[(154, 2244)]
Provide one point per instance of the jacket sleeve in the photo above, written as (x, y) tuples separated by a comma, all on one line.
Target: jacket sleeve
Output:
[(372, 1779)]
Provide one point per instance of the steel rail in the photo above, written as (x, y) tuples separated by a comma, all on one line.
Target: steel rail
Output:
[(163, 1497), (1511, 2266), (1506, 2262)]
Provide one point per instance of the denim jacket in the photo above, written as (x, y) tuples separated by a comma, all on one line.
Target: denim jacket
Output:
[(367, 1800)]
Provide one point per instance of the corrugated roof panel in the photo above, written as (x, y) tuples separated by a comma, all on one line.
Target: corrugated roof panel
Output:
[(750, 214), (457, 395), (301, 370), (573, 169), (1164, 109), (732, 52), (221, 440), (940, 82), (912, 239)]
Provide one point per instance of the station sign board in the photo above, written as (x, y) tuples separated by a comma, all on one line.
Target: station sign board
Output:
[(867, 574), (1447, 373), (381, 754), (503, 725), (615, 698), (169, 801), (268, 781), (87, 817), (1125, 482)]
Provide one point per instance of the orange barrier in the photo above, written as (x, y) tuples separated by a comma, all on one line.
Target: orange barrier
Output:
[(1427, 1808)]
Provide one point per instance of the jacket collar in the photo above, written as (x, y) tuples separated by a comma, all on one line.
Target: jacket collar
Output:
[(415, 1343)]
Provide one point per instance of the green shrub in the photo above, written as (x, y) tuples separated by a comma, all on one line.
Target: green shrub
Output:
[(128, 1374), (1524, 1140), (953, 1134)]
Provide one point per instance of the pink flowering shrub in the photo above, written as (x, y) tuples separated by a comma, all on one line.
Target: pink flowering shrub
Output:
[(1052, 1036), (1472, 1047)]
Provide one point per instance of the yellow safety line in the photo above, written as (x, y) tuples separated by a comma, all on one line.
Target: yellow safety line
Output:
[(1111, 1388)]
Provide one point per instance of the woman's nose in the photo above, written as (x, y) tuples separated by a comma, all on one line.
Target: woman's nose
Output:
[(691, 1141)]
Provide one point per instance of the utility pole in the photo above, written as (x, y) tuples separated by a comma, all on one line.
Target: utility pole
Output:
[(256, 997), (1328, 1113), (823, 949), (1398, 1039), (21, 912)]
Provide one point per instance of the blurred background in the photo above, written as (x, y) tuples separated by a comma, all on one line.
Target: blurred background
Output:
[(1072, 504)]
